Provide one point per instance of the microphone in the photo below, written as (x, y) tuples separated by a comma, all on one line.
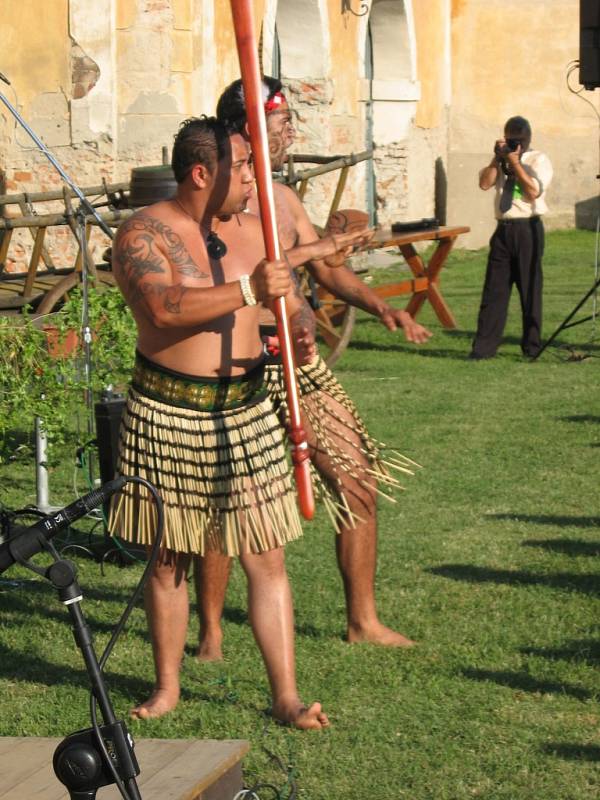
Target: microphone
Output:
[(26, 542), (5, 79)]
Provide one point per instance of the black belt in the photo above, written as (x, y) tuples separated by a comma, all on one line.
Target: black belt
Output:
[(517, 220)]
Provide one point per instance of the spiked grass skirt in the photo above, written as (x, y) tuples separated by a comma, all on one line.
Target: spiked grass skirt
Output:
[(361, 456), (214, 450)]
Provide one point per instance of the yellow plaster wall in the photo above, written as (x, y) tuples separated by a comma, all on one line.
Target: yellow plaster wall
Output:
[(429, 32), (496, 73), (225, 51), (512, 58), (345, 68), (35, 48), (182, 14), (126, 11), (182, 59)]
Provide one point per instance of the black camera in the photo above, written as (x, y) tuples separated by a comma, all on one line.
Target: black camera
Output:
[(510, 147)]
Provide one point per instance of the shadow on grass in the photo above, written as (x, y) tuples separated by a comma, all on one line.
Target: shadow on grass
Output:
[(584, 651), (39, 590), (580, 418), (524, 682), (410, 350), (239, 616), (550, 519), (35, 602), (571, 547), (586, 584), (18, 666), (427, 351), (572, 751)]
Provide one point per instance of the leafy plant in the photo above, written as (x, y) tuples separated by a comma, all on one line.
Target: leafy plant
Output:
[(35, 383)]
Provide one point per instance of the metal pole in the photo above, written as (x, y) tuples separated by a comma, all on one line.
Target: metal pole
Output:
[(42, 495), (84, 201)]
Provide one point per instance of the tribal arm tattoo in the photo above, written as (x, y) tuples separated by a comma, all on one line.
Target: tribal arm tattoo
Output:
[(172, 295), (149, 262), (146, 247), (148, 237)]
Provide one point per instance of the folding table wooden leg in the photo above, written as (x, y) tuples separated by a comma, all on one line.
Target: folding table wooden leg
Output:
[(431, 271)]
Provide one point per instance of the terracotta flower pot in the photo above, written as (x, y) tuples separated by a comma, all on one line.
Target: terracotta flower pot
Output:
[(60, 346)]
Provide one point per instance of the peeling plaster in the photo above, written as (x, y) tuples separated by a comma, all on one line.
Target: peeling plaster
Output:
[(85, 73)]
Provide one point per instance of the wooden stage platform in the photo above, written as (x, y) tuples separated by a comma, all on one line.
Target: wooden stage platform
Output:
[(171, 769)]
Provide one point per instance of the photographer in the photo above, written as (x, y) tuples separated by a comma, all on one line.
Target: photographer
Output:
[(520, 177)]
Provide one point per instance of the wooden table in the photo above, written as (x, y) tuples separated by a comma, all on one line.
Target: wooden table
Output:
[(335, 318), (425, 285)]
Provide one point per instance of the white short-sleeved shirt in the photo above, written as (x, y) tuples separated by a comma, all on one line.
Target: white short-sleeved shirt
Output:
[(538, 166)]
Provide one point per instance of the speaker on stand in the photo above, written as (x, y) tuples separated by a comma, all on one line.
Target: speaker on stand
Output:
[(108, 412), (589, 43), (589, 78)]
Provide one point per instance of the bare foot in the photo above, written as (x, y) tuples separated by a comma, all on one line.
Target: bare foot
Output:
[(160, 702), (299, 716), (378, 634), (209, 649)]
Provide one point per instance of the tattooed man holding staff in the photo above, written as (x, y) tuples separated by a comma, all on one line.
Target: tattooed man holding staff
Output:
[(199, 424)]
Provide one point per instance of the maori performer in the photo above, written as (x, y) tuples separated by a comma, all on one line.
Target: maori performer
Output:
[(349, 462), (199, 423)]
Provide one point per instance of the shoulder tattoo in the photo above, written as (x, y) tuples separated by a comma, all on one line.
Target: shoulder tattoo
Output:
[(142, 242)]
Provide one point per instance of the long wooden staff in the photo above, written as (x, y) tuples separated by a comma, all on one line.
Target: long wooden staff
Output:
[(243, 24)]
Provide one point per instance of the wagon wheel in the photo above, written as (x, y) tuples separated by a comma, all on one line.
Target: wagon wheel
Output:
[(55, 297), (335, 321)]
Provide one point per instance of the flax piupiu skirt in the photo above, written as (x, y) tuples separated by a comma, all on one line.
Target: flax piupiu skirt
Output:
[(214, 450)]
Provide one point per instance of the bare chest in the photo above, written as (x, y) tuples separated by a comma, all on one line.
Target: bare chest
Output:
[(286, 225), (233, 251)]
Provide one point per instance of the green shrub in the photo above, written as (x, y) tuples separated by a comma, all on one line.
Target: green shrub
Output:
[(34, 383)]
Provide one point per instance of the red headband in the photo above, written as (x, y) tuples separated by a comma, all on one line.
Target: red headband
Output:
[(274, 102)]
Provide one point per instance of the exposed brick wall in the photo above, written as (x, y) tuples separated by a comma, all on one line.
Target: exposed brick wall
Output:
[(391, 174)]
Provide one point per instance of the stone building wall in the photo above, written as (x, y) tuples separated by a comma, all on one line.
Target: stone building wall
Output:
[(497, 74), (107, 84)]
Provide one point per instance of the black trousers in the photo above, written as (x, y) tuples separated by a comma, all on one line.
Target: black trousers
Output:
[(516, 250)]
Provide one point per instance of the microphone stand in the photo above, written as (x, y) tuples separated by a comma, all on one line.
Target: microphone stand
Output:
[(78, 228), (101, 755)]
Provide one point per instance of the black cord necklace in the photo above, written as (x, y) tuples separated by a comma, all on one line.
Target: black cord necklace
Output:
[(215, 247)]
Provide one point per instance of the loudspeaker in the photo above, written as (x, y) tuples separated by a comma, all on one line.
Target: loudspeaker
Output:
[(108, 418), (589, 43)]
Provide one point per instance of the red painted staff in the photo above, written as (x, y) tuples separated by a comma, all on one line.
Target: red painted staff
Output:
[(243, 24)]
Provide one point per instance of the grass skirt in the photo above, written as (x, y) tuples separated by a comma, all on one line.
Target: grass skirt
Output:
[(223, 477), (344, 438)]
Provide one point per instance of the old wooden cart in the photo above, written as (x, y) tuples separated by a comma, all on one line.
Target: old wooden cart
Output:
[(44, 285)]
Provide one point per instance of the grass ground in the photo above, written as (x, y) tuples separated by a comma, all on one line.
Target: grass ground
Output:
[(489, 560)]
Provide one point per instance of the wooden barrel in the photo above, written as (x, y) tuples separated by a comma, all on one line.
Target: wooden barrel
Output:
[(151, 184)]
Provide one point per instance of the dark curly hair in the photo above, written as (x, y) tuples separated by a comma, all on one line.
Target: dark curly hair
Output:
[(199, 140), (231, 108)]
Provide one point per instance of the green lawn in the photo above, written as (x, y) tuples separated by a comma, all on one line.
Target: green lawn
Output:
[(489, 559)]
